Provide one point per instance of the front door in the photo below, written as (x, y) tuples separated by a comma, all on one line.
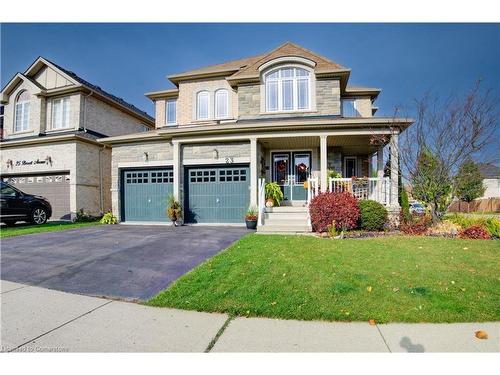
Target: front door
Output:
[(290, 171)]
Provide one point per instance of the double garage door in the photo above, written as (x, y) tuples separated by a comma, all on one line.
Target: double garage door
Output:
[(54, 187), (211, 194)]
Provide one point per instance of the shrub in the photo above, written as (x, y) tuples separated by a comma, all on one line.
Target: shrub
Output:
[(373, 215), (475, 232), (445, 228), (492, 225), (328, 207), (405, 204), (109, 218), (84, 217), (417, 225)]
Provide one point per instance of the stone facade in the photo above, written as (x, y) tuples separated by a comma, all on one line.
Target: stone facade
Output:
[(132, 155), (328, 97)]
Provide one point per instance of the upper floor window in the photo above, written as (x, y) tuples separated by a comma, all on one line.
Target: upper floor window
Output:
[(221, 103), (22, 116), (349, 108), (60, 113), (287, 89), (171, 112), (202, 105)]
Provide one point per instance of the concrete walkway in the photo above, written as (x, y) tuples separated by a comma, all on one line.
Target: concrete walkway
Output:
[(37, 319)]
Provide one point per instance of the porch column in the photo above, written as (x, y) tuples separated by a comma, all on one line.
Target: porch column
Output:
[(394, 169), (323, 149), (254, 173), (177, 169), (380, 162)]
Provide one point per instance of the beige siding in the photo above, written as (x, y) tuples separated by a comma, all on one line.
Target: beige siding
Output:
[(50, 79), (160, 113), (364, 106), (36, 118), (108, 120), (186, 103)]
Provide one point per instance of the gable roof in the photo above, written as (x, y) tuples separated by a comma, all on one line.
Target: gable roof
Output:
[(214, 70), (489, 170), (248, 68), (77, 80), (289, 49)]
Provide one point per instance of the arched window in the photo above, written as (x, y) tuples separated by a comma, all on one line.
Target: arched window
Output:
[(287, 89), (221, 103), (22, 117), (202, 105)]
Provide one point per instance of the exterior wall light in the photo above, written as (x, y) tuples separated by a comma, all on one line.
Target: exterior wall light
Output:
[(48, 160), (146, 156), (215, 153)]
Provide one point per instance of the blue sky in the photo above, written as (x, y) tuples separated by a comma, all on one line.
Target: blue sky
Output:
[(405, 60)]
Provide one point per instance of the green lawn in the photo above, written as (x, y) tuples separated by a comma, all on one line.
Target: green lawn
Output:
[(412, 279), (20, 229)]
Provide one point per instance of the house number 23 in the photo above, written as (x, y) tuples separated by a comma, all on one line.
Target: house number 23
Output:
[(229, 160)]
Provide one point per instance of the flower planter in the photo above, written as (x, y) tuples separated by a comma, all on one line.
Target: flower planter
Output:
[(251, 224)]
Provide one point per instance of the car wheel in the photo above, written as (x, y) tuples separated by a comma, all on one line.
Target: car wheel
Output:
[(10, 223), (39, 216)]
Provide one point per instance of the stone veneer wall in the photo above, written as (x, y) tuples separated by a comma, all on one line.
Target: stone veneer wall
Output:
[(132, 155), (327, 101)]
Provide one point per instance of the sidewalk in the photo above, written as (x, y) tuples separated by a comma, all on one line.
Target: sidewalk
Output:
[(37, 319)]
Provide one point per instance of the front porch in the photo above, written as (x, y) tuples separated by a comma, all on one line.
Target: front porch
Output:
[(304, 165)]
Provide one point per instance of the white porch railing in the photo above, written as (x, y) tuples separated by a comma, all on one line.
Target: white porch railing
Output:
[(261, 201), (312, 191), (377, 189)]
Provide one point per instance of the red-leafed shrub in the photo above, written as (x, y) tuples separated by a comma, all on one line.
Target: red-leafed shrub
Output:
[(417, 225), (475, 232), (339, 207)]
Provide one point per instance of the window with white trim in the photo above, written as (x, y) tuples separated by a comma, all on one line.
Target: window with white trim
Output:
[(171, 112), (22, 117), (221, 103), (60, 113), (288, 89), (349, 108), (202, 105)]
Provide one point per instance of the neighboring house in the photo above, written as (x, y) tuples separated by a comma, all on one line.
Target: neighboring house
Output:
[(51, 120), (286, 116), (491, 180)]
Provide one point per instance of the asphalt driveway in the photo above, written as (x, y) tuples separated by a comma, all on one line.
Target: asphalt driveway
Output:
[(114, 261)]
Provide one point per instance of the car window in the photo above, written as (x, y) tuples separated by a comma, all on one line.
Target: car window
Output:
[(7, 191)]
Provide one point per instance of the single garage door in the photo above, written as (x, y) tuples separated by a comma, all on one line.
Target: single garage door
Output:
[(145, 193), (217, 194), (54, 187)]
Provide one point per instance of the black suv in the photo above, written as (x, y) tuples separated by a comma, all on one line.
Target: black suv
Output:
[(18, 206)]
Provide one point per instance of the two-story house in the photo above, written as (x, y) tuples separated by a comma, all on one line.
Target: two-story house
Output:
[(288, 116), (51, 120)]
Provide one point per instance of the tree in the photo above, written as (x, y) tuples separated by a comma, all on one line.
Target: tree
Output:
[(444, 135), (432, 183), (468, 182)]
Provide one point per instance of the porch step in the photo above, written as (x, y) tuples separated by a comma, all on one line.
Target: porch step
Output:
[(284, 228), (285, 219), (286, 209)]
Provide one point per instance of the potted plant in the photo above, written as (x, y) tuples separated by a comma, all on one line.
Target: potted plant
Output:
[(251, 218), (274, 195), (174, 210)]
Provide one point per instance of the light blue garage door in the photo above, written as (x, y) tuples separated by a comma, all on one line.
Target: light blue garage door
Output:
[(217, 194), (145, 194)]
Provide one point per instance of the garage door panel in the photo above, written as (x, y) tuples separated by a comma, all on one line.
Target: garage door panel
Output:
[(217, 194), (54, 187), (145, 194)]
